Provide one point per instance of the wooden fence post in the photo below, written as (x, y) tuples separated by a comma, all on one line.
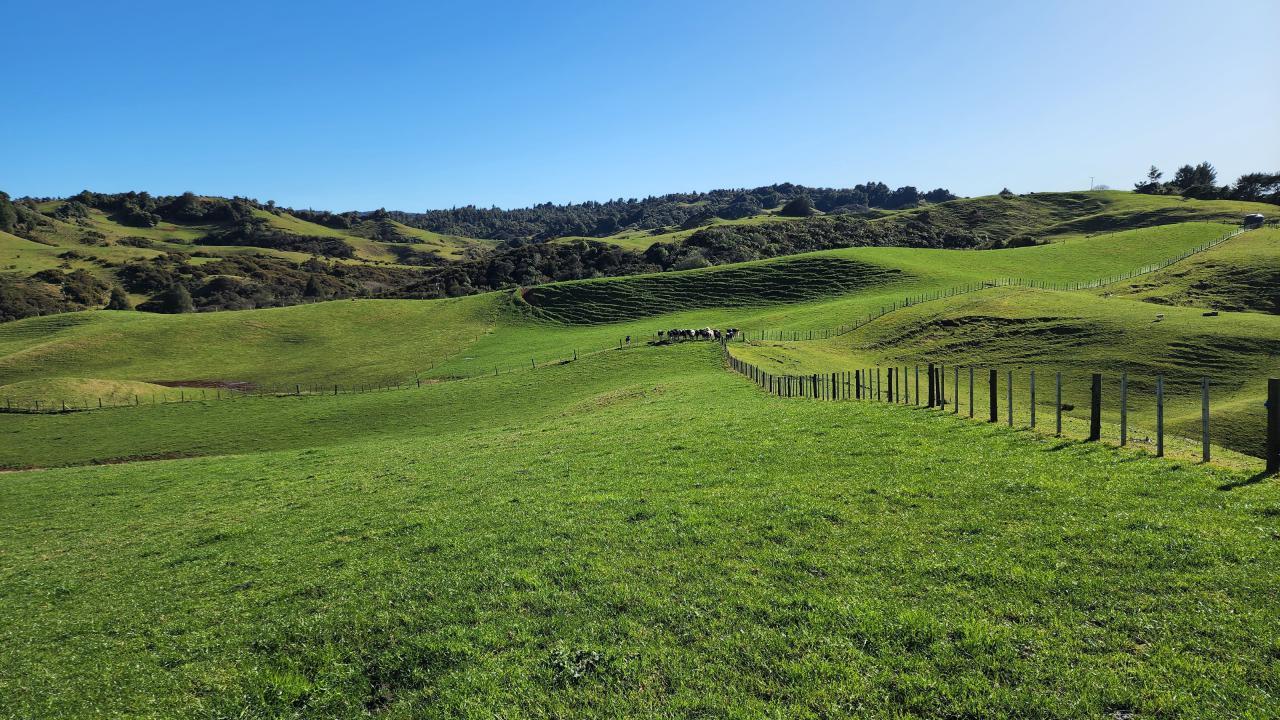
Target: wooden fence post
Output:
[(955, 407), (1273, 425), (917, 385), (1095, 408), (995, 417), (942, 387), (1124, 409), (970, 391), (933, 386), (857, 384), (1058, 404), (1159, 416), (1033, 399), (1204, 418), (1008, 391)]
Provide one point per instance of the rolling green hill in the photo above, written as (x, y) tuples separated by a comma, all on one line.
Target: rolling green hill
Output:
[(368, 340), (1243, 275), (257, 256), (564, 525), (638, 529), (1053, 216)]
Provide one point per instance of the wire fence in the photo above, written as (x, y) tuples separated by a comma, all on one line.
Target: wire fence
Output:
[(212, 392), (1034, 401)]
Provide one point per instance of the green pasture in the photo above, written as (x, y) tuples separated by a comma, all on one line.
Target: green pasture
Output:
[(1077, 334), (1243, 274), (366, 341), (639, 533)]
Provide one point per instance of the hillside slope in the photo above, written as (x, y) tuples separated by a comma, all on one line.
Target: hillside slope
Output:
[(367, 341), (1243, 275), (1019, 330)]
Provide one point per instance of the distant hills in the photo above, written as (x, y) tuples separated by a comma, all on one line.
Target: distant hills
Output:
[(198, 253)]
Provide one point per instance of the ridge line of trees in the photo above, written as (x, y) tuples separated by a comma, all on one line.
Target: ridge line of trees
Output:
[(1200, 182)]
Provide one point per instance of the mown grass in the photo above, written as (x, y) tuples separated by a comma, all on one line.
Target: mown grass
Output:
[(673, 546)]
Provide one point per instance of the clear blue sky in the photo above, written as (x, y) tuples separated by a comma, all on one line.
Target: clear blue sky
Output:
[(416, 105)]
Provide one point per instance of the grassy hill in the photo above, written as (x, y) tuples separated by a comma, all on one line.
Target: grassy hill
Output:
[(173, 237), (236, 254), (1243, 275), (342, 341), (1057, 216), (636, 530), (377, 340), (1021, 329)]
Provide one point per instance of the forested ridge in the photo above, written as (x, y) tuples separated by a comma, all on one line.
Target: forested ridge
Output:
[(678, 210)]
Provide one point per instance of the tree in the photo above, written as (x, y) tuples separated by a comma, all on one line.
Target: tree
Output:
[(313, 289), (8, 215), (1190, 177), (1152, 185), (119, 299), (799, 207), (177, 299), (905, 196), (1259, 187), (1006, 192)]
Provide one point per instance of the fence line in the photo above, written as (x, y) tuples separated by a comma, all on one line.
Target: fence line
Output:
[(189, 393), (975, 286), (893, 385)]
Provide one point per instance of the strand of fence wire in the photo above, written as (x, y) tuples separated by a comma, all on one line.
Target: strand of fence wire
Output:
[(1010, 398)]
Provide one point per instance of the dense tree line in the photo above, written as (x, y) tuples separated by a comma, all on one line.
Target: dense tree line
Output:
[(1200, 181), (685, 210), (50, 291), (20, 217), (257, 232)]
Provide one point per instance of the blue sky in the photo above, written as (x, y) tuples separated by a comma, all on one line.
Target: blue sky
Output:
[(416, 105)]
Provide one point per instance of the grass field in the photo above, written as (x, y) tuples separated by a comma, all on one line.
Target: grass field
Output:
[(1058, 216), (84, 391), (636, 543), (1244, 275)]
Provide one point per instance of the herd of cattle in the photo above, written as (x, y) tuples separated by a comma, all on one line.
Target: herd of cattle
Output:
[(681, 334)]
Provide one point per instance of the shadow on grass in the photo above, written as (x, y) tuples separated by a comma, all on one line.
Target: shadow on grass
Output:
[(1253, 480)]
